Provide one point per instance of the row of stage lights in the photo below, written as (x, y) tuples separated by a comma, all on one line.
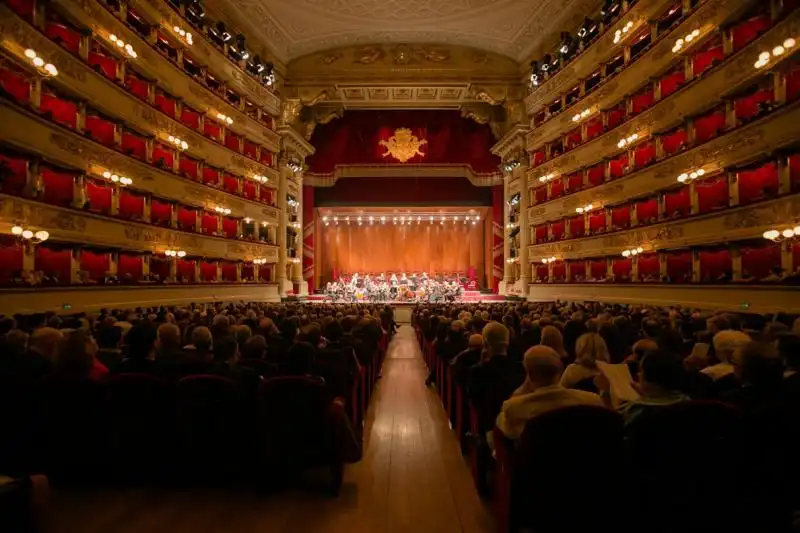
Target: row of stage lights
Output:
[(402, 220)]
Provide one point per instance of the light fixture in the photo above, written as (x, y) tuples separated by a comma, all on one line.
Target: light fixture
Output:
[(685, 40), (222, 210), (625, 29), (45, 69), (29, 236), (584, 209), (764, 57), (534, 74), (779, 235), (295, 165), (225, 119), (183, 34), (627, 140), (546, 178), (123, 45), (247, 220), (259, 261), (583, 114), (547, 260), (260, 179), (686, 177), (632, 251), (588, 30), (178, 142), (115, 178), (567, 48), (509, 166), (174, 253)]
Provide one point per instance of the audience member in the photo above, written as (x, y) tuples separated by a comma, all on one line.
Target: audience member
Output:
[(589, 349)]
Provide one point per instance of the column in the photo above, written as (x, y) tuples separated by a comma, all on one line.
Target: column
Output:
[(284, 173), (524, 230), (506, 238), (297, 268)]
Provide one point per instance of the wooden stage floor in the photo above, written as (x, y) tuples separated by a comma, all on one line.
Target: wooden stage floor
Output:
[(412, 479)]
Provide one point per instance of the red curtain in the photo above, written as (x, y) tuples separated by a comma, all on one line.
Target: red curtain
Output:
[(793, 84), (188, 166), (644, 154), (248, 272), (265, 272), (267, 195), (211, 176), (250, 149), (648, 265), (230, 183), (757, 183), (136, 85), (557, 230), (542, 272), (208, 270), (99, 195), (678, 203), (597, 174), (187, 218), (232, 141), (249, 189), (14, 173), (794, 171), (230, 227), (163, 156), (679, 266), (712, 194), (211, 129), (100, 129), (15, 83), (540, 194), (228, 271), (11, 259), (54, 261), (186, 270), (674, 141), (58, 186), (266, 157), (61, 110), (159, 267), (642, 100), (709, 55), (577, 271), (131, 205), (597, 222), (537, 158), (672, 82), (403, 191), (102, 62), (577, 226), (757, 261), (165, 103), (598, 268), (749, 30), (622, 268), (190, 118), (714, 264), (208, 223), (709, 126), (129, 266), (541, 234), (574, 138), (96, 264), (556, 188), (616, 116), (134, 145), (618, 165), (574, 182), (23, 8), (750, 106), (355, 139), (559, 272), (63, 35), (160, 212), (594, 128), (647, 211), (620, 217)]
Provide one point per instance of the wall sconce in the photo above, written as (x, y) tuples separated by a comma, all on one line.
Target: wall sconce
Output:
[(174, 253), (584, 209), (222, 210), (509, 166), (764, 57), (547, 260), (225, 119), (510, 225), (689, 38), (259, 261), (28, 236), (627, 140), (45, 69), (115, 178), (183, 34), (294, 260), (632, 252), (583, 114), (686, 177), (260, 179), (778, 236), (548, 177), (122, 44), (179, 144), (625, 29)]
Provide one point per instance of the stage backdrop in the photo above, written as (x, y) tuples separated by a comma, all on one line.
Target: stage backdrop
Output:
[(410, 248)]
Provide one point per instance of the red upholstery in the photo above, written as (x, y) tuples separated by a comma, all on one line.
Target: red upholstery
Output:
[(100, 129), (597, 221), (163, 156), (647, 211), (188, 166), (712, 194), (11, 257), (265, 272), (249, 189), (131, 205), (211, 129), (250, 149), (248, 272), (16, 83), (621, 217), (618, 165), (208, 271), (537, 158), (540, 233), (14, 173), (594, 128), (674, 141), (757, 183), (648, 265), (709, 126), (65, 36), (616, 116), (644, 154), (556, 188), (165, 103), (230, 183), (757, 261), (208, 223), (577, 270), (714, 263), (557, 230), (747, 31), (228, 271), (95, 263), (134, 145), (794, 171), (186, 218), (230, 227), (58, 186), (573, 138), (211, 175), (679, 266), (707, 56), (232, 141), (622, 268), (160, 212), (23, 8), (542, 271), (99, 195), (54, 261), (267, 195), (748, 107), (186, 270), (642, 100), (574, 182), (559, 271), (62, 110), (136, 85), (160, 267), (105, 63), (266, 157), (540, 194), (596, 174), (678, 203), (190, 117), (672, 82), (793, 84), (577, 226)]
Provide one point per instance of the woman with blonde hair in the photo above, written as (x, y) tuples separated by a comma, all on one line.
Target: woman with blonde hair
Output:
[(553, 338), (589, 349)]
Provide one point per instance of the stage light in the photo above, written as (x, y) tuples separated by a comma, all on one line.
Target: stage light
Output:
[(324, 219), (534, 74), (431, 219), (359, 219), (566, 49), (588, 30), (442, 218)]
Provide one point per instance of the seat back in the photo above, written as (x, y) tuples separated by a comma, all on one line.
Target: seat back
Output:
[(263, 368)]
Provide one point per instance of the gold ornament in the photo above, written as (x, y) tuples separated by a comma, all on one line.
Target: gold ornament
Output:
[(403, 145)]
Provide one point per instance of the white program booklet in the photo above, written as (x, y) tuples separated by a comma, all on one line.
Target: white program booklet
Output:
[(619, 377)]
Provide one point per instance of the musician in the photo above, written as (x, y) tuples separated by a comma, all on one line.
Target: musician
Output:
[(403, 279), (393, 281)]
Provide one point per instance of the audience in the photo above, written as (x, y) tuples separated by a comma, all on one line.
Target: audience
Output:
[(589, 349)]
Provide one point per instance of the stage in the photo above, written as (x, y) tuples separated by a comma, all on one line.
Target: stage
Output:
[(469, 297)]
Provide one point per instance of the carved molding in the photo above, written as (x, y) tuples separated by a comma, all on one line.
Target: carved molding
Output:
[(724, 297), (293, 142), (405, 171), (512, 143), (93, 299), (736, 224), (31, 134), (737, 147)]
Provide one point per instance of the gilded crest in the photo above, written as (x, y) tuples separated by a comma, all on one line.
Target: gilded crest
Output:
[(403, 145)]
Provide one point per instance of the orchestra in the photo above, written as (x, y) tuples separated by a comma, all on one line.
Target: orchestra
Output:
[(379, 288)]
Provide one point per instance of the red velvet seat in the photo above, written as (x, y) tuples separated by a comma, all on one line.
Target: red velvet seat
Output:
[(670, 83), (749, 30), (674, 141), (63, 35), (707, 56), (576, 226), (596, 174), (15, 83), (103, 62), (13, 173)]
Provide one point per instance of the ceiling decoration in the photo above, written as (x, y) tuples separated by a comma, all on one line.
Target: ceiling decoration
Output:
[(292, 28)]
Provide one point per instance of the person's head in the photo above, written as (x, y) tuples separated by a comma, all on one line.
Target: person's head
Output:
[(220, 323), (613, 338), (642, 348), (44, 341), (572, 332), (15, 341), (651, 328), (109, 337), (76, 353), (758, 364), (727, 342), (334, 331), (241, 333), (300, 359), (717, 323), (495, 338), (553, 338), (168, 337), (589, 349), (543, 366), (660, 371), (141, 341), (788, 345), (202, 340), (226, 350), (475, 342), (254, 348)]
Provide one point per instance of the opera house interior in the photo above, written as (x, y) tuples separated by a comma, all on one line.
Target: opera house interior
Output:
[(451, 266)]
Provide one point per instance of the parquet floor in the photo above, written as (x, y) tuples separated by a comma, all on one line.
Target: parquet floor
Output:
[(412, 479)]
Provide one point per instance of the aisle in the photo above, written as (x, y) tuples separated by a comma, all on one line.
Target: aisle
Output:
[(412, 480)]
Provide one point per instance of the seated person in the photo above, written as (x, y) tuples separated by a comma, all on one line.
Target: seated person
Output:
[(540, 393), (760, 371), (726, 344), (226, 357), (589, 348), (141, 343)]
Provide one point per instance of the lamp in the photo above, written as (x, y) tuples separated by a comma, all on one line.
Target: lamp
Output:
[(174, 253), (780, 235), (632, 252), (588, 31), (691, 176), (28, 236), (45, 69), (115, 178), (534, 73), (567, 47), (764, 57)]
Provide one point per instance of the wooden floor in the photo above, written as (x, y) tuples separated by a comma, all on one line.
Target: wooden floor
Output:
[(412, 480)]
